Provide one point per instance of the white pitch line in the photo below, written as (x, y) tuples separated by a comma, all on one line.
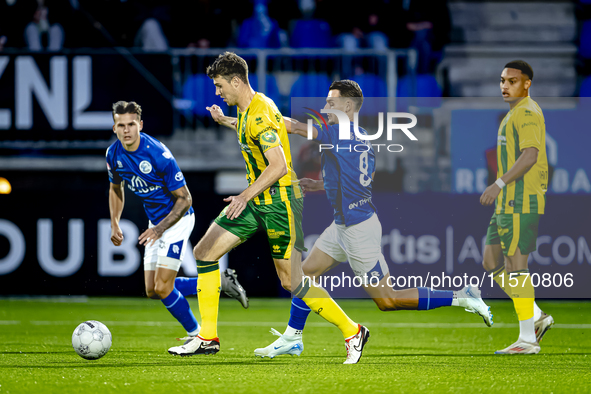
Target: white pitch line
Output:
[(9, 322), (270, 324)]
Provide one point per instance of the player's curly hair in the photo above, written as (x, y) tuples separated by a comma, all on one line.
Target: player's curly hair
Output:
[(124, 107), (228, 65), (350, 89)]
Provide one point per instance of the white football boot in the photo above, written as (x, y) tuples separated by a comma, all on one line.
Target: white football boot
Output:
[(284, 345), (355, 345), (521, 347), (469, 298), (542, 325)]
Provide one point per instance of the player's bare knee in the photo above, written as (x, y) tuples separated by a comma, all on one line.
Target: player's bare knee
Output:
[(162, 289), (150, 293)]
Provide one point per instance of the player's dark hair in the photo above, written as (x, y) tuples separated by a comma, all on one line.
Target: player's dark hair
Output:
[(124, 107), (349, 88), (522, 66), (228, 65)]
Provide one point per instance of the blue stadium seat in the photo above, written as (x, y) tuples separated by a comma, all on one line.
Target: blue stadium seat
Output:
[(311, 85), (426, 86), (585, 90), (311, 33), (199, 89), (253, 36), (585, 40), (272, 90), (371, 85)]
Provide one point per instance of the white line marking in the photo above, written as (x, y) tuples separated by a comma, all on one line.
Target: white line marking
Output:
[(264, 324)]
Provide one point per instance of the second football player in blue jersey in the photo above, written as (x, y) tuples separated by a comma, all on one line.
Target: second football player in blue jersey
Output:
[(355, 235)]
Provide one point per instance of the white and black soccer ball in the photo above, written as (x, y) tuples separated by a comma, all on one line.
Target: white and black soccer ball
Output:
[(91, 340)]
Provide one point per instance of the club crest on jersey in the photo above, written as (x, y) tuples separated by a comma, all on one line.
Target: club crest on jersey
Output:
[(269, 137), (145, 167)]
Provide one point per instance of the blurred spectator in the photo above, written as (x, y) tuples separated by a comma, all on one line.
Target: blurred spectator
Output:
[(424, 25), (42, 32), (363, 27), (259, 31)]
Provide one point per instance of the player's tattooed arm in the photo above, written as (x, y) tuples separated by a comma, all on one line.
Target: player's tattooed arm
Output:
[(296, 127), (529, 157), (116, 203), (276, 168), (218, 116), (181, 206)]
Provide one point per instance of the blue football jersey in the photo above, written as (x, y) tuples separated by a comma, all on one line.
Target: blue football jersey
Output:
[(347, 170), (151, 172)]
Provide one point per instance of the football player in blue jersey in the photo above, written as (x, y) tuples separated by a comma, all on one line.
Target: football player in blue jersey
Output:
[(148, 169), (355, 235)]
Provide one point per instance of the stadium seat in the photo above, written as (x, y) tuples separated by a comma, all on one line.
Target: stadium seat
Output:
[(272, 90), (585, 90), (200, 90), (585, 40), (311, 85), (311, 33), (253, 35), (371, 85), (426, 86)]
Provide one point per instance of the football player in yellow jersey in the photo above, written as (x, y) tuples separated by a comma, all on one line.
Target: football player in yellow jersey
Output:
[(520, 198), (270, 203)]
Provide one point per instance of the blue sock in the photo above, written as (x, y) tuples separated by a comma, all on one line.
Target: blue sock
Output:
[(299, 314), (431, 299), (178, 306), (187, 286)]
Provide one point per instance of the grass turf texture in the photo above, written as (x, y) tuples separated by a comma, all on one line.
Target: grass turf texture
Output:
[(452, 353)]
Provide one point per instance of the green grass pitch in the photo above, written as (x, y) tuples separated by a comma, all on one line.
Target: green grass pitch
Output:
[(444, 350)]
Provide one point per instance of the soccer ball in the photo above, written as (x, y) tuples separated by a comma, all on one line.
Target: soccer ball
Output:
[(91, 340)]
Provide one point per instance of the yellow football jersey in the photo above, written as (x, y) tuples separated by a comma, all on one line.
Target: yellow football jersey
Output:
[(523, 127), (260, 128)]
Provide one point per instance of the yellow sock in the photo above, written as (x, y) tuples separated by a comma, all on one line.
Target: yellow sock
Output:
[(320, 302), (208, 292), (522, 294), (500, 276)]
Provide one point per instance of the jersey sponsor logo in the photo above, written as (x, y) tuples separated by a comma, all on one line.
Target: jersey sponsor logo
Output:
[(175, 249), (276, 249), (139, 185), (359, 203), (145, 167), (502, 231), (528, 113), (272, 234), (259, 120), (119, 164), (167, 155), (179, 176), (528, 124), (162, 244)]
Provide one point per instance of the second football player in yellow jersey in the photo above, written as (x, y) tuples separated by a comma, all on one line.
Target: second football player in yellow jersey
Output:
[(520, 195), (269, 203)]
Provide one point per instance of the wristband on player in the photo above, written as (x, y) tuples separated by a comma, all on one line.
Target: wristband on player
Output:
[(500, 183)]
